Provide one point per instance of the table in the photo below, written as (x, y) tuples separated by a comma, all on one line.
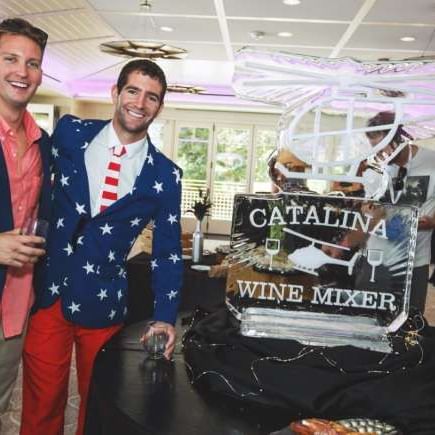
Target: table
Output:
[(128, 397), (332, 383), (198, 288)]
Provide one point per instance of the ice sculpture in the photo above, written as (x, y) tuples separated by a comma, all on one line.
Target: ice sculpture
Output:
[(319, 268)]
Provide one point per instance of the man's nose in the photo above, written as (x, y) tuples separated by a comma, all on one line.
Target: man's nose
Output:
[(140, 101), (22, 69)]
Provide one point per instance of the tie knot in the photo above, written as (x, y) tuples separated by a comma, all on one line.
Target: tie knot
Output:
[(119, 151)]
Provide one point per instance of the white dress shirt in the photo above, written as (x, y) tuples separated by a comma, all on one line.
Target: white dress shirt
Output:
[(97, 158)]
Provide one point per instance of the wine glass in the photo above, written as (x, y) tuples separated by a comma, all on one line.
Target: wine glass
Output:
[(374, 258), (155, 339), (36, 227), (272, 248)]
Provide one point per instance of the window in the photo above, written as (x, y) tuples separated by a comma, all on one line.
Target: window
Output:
[(227, 158), (192, 156), (230, 174), (156, 133), (265, 144)]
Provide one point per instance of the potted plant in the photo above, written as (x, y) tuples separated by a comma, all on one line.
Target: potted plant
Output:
[(200, 209)]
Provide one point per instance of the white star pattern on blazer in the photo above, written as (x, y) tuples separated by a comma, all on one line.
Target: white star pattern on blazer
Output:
[(85, 265)]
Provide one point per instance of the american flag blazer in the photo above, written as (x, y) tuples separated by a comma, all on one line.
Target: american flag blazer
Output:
[(85, 264)]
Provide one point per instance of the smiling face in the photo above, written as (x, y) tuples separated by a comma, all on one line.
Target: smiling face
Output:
[(136, 106), (20, 71)]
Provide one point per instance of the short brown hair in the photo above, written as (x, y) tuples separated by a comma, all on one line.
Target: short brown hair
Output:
[(18, 26), (147, 68)]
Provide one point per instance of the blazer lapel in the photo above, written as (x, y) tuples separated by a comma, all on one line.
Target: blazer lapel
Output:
[(84, 134), (6, 218), (45, 194), (147, 176)]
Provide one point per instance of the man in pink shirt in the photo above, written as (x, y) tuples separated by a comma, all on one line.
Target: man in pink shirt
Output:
[(24, 188)]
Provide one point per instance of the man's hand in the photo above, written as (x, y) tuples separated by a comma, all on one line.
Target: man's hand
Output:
[(170, 332), (17, 250), (426, 223)]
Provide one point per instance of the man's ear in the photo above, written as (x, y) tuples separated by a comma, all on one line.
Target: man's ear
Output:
[(115, 94)]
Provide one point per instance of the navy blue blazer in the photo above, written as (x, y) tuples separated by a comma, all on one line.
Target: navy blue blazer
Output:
[(6, 218), (86, 255)]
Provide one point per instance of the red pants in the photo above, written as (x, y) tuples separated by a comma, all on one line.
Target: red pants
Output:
[(46, 366)]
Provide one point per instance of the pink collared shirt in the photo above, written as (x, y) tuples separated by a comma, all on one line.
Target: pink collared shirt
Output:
[(25, 179)]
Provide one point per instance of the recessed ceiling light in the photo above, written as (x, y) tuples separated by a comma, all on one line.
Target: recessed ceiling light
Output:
[(166, 29), (291, 2), (407, 39), (285, 34)]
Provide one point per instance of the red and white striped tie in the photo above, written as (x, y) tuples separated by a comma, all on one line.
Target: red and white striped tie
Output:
[(109, 192)]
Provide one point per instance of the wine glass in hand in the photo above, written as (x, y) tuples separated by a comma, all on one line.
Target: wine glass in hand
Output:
[(154, 341), (36, 227)]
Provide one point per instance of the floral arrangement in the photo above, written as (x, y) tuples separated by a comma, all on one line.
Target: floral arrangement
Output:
[(201, 208)]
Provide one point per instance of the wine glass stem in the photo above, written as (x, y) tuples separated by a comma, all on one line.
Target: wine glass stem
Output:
[(372, 278)]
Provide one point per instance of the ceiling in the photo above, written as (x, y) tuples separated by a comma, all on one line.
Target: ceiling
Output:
[(212, 31)]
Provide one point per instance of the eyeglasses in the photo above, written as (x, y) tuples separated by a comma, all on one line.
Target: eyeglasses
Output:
[(23, 27), (399, 183)]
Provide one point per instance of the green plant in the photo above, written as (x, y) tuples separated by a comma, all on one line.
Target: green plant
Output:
[(201, 207)]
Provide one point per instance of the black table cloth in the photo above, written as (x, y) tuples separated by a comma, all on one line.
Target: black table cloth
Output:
[(307, 381), (246, 386), (129, 397)]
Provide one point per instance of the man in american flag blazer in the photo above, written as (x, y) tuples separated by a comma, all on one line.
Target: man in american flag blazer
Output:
[(84, 288)]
